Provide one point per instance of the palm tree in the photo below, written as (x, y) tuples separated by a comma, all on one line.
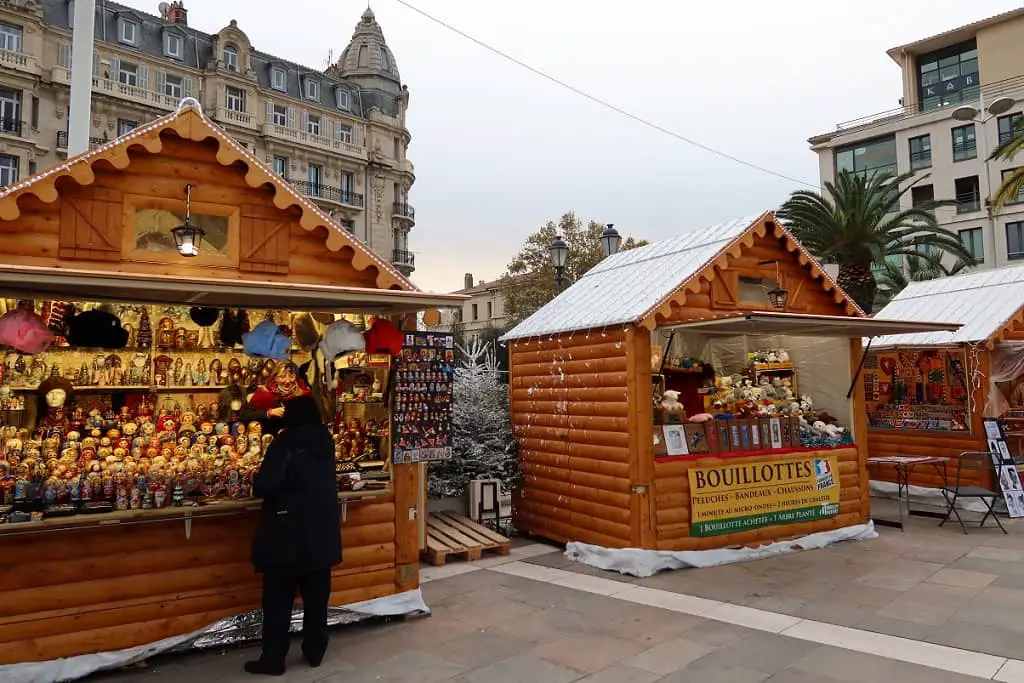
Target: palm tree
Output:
[(857, 222), (892, 278), (1012, 186)]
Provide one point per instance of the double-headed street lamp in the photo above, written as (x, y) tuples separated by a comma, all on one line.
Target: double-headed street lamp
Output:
[(611, 240)]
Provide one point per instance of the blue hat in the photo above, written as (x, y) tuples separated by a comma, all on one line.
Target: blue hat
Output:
[(266, 341)]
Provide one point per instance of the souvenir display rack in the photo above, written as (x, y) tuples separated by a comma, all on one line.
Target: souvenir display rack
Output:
[(917, 390), (155, 437)]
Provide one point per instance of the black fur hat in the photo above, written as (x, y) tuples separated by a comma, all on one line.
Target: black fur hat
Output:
[(97, 329)]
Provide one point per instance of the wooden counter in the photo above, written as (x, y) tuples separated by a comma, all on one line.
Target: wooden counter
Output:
[(111, 581)]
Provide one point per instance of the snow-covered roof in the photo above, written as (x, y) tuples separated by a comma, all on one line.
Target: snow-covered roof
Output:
[(983, 302), (626, 286)]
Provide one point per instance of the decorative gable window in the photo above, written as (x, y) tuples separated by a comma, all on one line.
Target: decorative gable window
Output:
[(312, 89), (278, 78), (173, 45), (128, 31), (344, 99)]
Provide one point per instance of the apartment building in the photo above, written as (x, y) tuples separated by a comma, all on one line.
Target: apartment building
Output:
[(483, 311), (337, 133), (977, 67)]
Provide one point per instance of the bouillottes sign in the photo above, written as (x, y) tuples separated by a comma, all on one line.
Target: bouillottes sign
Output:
[(730, 498)]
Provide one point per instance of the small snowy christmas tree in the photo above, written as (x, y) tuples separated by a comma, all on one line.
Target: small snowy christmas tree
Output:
[(482, 440)]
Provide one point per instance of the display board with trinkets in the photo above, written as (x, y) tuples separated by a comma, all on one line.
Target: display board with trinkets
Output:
[(922, 389)]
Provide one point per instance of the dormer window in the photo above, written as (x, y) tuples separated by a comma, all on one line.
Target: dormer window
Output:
[(128, 31), (344, 99), (278, 78), (230, 58), (173, 45), (312, 90)]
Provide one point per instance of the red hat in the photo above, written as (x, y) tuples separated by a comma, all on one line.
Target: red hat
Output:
[(384, 336)]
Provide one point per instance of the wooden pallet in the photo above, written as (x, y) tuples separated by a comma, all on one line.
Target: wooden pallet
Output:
[(450, 534)]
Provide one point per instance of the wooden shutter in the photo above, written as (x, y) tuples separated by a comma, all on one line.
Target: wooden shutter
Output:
[(115, 69), (64, 55), (161, 81), (270, 112), (357, 136), (96, 64), (143, 76), (265, 242), (91, 224), (291, 117), (186, 87), (305, 121), (338, 130), (325, 126)]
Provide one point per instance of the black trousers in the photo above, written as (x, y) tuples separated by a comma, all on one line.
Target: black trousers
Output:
[(279, 588)]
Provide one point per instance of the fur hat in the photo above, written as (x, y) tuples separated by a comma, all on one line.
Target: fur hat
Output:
[(340, 338), (383, 336), (97, 329), (204, 317), (25, 331), (267, 341), (231, 328), (306, 333)]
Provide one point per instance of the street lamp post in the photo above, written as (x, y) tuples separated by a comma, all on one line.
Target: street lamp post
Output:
[(611, 240), (970, 114)]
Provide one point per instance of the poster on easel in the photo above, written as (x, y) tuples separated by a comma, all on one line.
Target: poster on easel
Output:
[(1005, 468)]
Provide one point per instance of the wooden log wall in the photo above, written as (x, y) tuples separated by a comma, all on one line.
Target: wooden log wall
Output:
[(672, 503), (277, 247), (571, 416), (882, 442), (97, 589)]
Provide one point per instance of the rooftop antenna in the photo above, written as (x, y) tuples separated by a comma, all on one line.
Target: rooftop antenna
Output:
[(330, 59)]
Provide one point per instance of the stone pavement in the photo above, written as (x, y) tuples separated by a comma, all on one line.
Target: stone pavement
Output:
[(925, 595)]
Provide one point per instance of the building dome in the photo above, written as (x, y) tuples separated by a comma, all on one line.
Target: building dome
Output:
[(367, 55)]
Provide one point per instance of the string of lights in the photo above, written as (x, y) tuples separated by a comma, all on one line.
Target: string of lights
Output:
[(604, 103)]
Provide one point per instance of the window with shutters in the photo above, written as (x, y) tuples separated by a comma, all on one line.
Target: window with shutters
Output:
[(235, 99), (64, 55), (313, 124), (172, 86), (148, 236), (343, 132), (10, 37), (278, 114), (128, 74)]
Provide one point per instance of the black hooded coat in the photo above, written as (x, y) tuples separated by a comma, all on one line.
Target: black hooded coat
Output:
[(300, 529)]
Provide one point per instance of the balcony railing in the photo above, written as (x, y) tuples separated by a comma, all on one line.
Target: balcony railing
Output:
[(990, 91), (403, 257), (919, 160), (326, 192), (18, 60), (239, 118), (134, 93), (10, 126), (403, 210), (968, 149), (313, 140), (968, 202), (96, 142)]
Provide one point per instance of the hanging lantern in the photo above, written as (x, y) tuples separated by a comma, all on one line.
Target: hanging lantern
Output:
[(188, 237)]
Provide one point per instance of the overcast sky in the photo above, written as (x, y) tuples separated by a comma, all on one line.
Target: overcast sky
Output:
[(499, 151)]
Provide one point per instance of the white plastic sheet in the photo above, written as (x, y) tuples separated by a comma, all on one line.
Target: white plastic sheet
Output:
[(1006, 363), (644, 563), (223, 632)]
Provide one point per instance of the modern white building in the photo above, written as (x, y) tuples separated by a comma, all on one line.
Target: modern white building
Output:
[(981, 67)]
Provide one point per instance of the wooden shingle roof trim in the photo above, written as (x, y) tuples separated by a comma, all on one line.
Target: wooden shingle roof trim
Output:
[(189, 123)]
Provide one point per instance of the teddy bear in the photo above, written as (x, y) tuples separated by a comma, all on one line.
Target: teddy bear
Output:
[(670, 402)]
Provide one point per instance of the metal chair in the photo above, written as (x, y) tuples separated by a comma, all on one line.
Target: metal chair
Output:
[(972, 465)]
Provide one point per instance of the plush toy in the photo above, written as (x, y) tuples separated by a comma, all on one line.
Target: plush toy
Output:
[(702, 417), (670, 402), (783, 355)]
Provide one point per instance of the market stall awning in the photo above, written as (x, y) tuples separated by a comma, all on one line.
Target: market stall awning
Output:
[(806, 325), (115, 287)]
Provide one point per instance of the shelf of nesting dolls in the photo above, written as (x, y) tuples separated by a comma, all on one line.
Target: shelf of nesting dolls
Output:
[(187, 512)]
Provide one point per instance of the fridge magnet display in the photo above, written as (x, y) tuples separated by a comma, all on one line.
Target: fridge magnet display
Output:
[(422, 415)]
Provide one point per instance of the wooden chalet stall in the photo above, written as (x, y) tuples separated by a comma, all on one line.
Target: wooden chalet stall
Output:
[(927, 393), (80, 584), (604, 462)]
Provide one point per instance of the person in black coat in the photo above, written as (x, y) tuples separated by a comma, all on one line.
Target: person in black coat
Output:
[(299, 537)]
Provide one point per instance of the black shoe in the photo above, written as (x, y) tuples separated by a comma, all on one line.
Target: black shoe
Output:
[(314, 657), (261, 668)]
